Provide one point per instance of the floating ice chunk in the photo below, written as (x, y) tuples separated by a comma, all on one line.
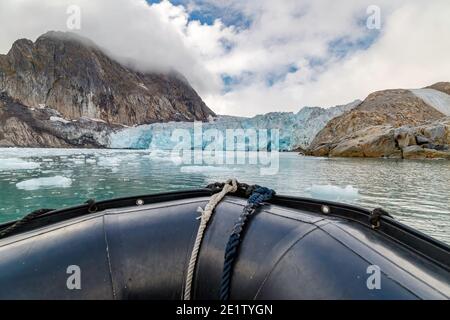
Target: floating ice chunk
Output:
[(109, 161), (333, 193), (17, 164), (50, 182), (161, 156), (205, 169), (78, 160), (59, 119)]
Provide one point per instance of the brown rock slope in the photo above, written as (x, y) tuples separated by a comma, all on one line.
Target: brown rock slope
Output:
[(73, 76), (441, 86), (372, 128)]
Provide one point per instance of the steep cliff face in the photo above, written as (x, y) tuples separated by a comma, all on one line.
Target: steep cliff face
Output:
[(73, 76), (368, 129)]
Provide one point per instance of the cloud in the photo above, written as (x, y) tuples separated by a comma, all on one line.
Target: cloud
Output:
[(155, 37), (256, 56), (409, 51)]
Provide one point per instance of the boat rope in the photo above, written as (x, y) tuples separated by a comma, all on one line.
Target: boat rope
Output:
[(375, 216), (230, 186), (23, 221), (256, 199)]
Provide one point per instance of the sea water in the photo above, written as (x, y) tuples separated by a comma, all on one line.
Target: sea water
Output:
[(416, 193)]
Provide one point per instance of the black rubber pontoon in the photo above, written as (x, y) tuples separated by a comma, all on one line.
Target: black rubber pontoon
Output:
[(291, 250)]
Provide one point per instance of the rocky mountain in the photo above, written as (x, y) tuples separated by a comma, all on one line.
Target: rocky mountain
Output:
[(73, 76), (388, 121), (63, 91)]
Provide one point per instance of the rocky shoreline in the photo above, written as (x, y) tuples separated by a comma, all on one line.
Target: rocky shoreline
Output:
[(21, 126), (427, 141)]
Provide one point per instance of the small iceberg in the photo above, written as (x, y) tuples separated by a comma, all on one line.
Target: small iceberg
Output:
[(109, 161), (17, 164), (333, 193), (205, 169), (50, 182)]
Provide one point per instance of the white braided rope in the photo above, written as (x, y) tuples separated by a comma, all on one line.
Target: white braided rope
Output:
[(230, 186)]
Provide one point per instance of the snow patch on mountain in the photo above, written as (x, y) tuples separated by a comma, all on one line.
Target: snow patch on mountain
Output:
[(435, 98), (59, 119)]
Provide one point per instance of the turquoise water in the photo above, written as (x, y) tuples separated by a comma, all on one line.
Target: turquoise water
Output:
[(416, 193)]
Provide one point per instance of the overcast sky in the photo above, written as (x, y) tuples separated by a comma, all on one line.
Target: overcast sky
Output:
[(256, 56)]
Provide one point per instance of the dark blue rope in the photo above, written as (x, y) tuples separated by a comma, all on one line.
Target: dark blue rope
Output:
[(256, 199)]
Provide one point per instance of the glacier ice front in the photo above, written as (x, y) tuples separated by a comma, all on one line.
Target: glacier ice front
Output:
[(294, 131)]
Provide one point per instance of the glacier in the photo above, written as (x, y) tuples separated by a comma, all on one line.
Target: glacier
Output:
[(296, 130), (435, 98)]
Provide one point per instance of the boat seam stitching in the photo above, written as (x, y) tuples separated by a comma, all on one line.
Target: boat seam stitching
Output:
[(108, 258)]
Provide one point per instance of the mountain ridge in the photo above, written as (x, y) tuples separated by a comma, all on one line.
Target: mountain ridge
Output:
[(68, 90), (73, 75)]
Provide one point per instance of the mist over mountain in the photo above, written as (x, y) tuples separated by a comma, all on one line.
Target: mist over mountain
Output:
[(72, 75)]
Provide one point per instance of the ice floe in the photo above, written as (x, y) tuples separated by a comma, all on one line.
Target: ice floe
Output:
[(109, 161), (205, 169), (48, 182), (17, 164), (333, 193)]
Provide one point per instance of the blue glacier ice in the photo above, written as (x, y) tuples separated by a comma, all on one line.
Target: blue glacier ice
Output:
[(296, 130)]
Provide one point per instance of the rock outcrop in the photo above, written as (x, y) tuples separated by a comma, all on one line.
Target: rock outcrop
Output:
[(21, 126), (389, 123), (72, 75), (431, 140)]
